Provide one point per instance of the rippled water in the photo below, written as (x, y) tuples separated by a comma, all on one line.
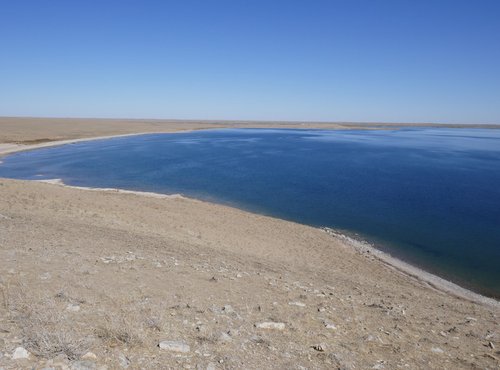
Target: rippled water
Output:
[(428, 195)]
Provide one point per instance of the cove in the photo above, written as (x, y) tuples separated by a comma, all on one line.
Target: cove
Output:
[(430, 196)]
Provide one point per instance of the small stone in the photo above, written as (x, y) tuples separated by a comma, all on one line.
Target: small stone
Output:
[(20, 353), (89, 356), (437, 350), (73, 307), (228, 309), (123, 360), (319, 347), (298, 304), (369, 338), (224, 337), (174, 346), (271, 325), (329, 325), (83, 365)]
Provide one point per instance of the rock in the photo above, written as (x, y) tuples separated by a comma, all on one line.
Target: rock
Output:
[(83, 365), (319, 347), (298, 304), (174, 346), (224, 337), (437, 350), (89, 356), (369, 338), (73, 307), (228, 309), (270, 325), (329, 325), (20, 353), (123, 360)]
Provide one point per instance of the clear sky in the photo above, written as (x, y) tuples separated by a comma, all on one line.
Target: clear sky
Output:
[(345, 60)]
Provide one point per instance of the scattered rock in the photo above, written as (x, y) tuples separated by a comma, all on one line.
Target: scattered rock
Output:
[(211, 366), (224, 337), (228, 309), (83, 365), (298, 304), (437, 350), (73, 307), (20, 353), (329, 325), (174, 346), (123, 360), (319, 347), (89, 356), (270, 325)]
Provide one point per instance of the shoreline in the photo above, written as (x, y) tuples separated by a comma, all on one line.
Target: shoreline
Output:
[(362, 246), (9, 148)]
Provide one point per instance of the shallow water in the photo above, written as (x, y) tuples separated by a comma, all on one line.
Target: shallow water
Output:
[(428, 195)]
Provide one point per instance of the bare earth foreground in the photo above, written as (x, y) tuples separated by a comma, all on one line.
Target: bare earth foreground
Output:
[(109, 279)]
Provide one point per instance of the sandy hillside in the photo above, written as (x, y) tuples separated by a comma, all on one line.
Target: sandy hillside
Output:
[(96, 279)]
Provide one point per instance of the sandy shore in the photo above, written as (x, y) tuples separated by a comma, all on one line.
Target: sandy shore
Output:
[(100, 278)]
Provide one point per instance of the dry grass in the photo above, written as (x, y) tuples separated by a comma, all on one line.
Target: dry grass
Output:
[(120, 329), (47, 330)]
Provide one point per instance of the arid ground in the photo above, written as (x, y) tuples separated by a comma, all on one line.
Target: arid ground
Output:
[(96, 279)]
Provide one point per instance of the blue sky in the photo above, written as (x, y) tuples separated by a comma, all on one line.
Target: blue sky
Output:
[(345, 60)]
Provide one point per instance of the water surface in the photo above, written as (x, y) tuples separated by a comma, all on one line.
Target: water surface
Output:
[(428, 195)]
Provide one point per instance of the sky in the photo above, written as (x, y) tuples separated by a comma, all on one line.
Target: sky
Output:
[(309, 60)]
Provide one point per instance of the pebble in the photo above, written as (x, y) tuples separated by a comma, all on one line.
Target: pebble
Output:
[(83, 365), (319, 347), (298, 304), (73, 307), (89, 356), (228, 309), (174, 346), (437, 350), (329, 325), (20, 353), (224, 337), (271, 325), (123, 360)]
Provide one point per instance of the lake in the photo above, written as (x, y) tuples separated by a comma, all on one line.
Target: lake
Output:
[(430, 196)]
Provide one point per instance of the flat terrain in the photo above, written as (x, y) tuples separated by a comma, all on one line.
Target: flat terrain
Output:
[(99, 279), (39, 130)]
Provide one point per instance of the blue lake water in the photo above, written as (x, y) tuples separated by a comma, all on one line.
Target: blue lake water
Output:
[(430, 196)]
